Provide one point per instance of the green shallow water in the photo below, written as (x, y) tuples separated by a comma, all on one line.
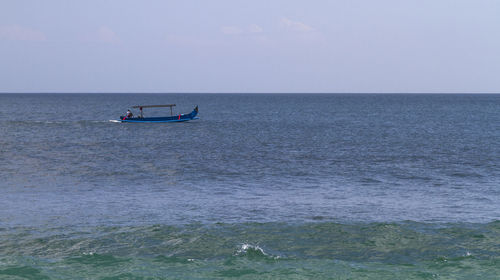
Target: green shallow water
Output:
[(323, 250)]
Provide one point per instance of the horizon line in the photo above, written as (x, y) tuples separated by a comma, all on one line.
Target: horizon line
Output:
[(190, 92)]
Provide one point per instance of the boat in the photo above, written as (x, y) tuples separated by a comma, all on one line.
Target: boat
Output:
[(172, 118)]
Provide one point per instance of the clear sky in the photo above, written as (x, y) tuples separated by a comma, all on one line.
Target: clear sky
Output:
[(250, 46)]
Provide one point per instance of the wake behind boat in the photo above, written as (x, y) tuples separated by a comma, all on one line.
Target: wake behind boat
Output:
[(172, 118)]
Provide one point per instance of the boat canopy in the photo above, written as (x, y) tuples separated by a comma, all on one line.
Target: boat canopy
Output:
[(154, 106)]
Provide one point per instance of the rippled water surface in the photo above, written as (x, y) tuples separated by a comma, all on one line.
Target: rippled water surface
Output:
[(261, 186)]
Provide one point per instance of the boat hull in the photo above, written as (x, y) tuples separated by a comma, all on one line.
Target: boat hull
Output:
[(177, 118), (155, 120)]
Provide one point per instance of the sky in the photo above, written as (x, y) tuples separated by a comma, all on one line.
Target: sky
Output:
[(257, 46)]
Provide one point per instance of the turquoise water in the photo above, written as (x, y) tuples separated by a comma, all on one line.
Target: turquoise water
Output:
[(261, 187), (322, 250)]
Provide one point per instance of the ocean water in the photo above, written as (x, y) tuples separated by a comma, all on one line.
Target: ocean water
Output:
[(263, 186)]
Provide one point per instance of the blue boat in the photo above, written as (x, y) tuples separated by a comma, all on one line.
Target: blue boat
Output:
[(172, 118)]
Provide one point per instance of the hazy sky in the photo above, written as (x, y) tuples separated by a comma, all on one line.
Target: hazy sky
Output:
[(250, 46)]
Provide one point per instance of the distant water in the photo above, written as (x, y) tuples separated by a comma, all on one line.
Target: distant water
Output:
[(260, 187)]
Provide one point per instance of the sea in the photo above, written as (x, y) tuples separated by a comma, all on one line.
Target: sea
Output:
[(262, 186)]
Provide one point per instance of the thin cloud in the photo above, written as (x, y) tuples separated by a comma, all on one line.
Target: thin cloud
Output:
[(295, 25), (236, 30), (231, 30), (104, 34), (20, 33), (254, 28)]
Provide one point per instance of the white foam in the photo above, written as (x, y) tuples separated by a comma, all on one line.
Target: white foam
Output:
[(244, 248)]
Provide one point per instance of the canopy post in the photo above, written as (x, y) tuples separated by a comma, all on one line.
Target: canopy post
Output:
[(171, 113)]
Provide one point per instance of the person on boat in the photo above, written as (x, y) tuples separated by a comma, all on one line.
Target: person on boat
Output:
[(129, 114)]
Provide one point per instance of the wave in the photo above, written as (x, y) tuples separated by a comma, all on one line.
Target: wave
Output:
[(396, 242), (254, 250)]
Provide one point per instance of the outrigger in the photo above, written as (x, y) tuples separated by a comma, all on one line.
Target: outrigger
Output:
[(172, 118)]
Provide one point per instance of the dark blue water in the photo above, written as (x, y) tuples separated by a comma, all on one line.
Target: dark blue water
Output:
[(278, 186)]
